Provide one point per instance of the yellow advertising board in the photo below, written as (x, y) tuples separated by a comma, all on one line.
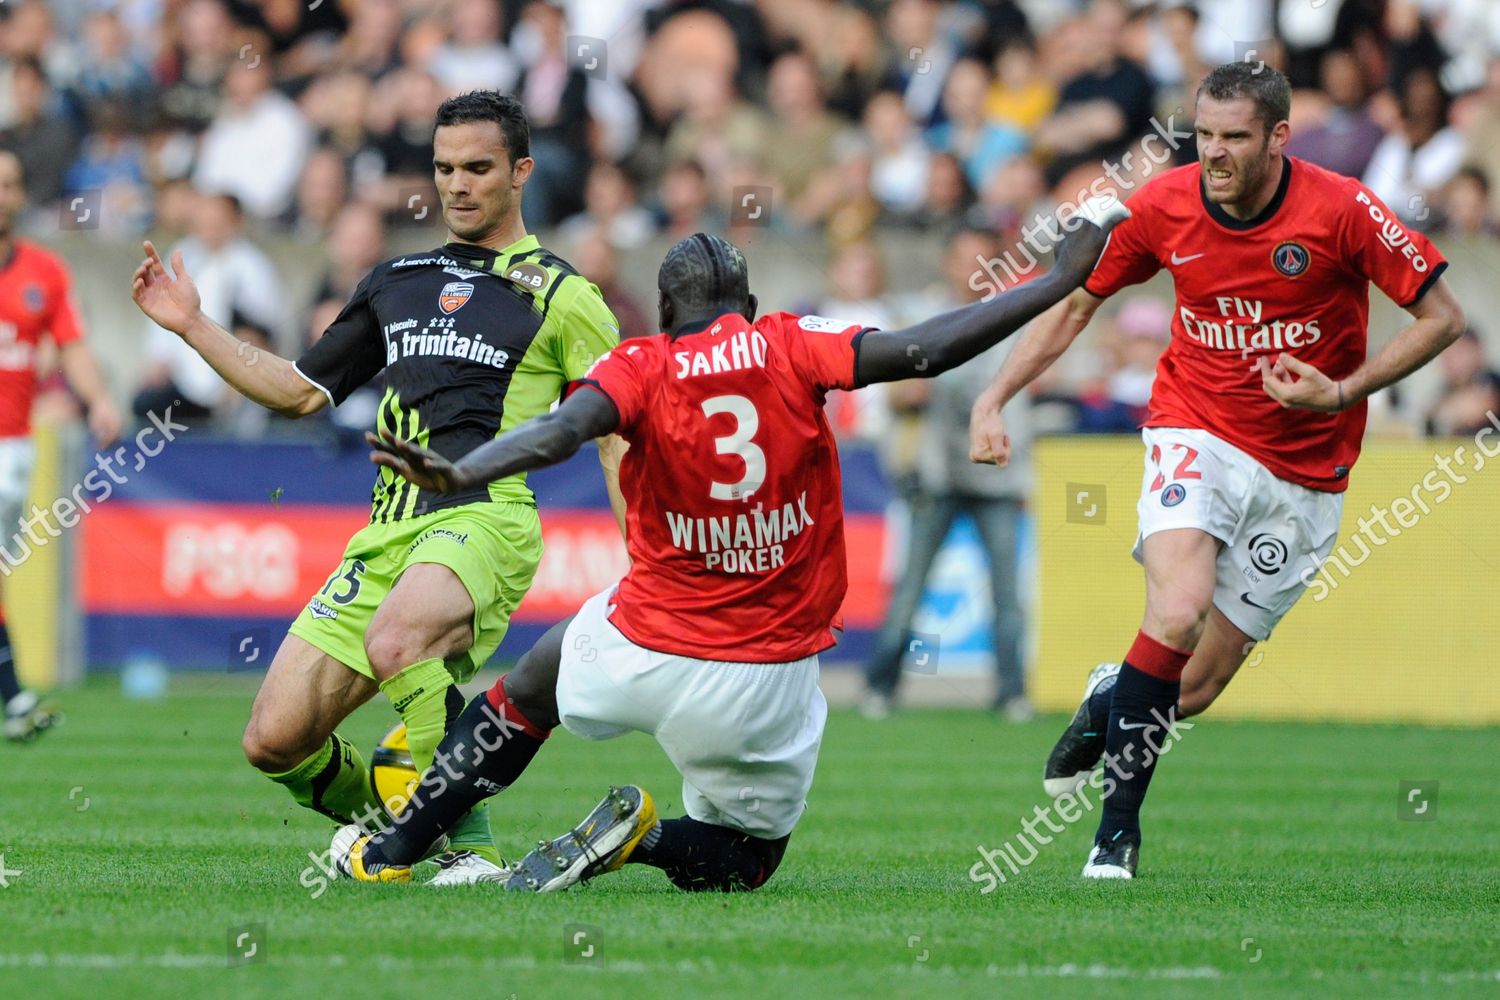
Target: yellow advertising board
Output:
[(33, 590), (1400, 626)]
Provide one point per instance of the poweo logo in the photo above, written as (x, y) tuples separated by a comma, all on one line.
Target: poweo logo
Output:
[(1392, 236)]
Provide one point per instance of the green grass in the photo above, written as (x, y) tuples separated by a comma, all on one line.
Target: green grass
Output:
[(1274, 864)]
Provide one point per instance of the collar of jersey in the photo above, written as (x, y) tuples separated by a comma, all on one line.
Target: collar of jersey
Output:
[(523, 245), (1228, 221)]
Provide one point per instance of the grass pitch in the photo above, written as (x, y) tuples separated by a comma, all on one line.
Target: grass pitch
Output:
[(139, 848)]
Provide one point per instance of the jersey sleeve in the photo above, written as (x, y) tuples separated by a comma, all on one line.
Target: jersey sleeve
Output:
[(1402, 263), (1128, 257), (63, 323), (620, 376), (350, 352), (823, 350), (587, 332)]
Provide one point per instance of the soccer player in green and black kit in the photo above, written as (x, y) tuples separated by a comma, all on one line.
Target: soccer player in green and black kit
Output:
[(475, 337)]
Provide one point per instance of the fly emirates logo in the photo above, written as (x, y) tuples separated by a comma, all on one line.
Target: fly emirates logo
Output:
[(1239, 327), (745, 543)]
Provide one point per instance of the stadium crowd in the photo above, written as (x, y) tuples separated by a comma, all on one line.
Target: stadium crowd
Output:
[(217, 123)]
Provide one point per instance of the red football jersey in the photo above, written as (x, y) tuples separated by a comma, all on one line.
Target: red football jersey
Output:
[(1295, 279), (735, 522), (35, 299)]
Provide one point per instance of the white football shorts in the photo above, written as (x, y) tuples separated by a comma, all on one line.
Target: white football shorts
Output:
[(744, 736), (1273, 530)]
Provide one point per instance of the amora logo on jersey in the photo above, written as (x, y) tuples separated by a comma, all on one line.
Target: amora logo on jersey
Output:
[(1240, 328)]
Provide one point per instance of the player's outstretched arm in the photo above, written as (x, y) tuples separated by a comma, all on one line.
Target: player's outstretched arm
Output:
[(170, 300), (933, 346), (542, 441), (1439, 322)]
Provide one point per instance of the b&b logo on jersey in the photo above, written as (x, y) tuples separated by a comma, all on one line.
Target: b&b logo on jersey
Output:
[(454, 295), (1291, 258)]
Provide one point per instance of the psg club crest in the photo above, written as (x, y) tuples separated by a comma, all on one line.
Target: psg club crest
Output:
[(33, 298), (454, 294), (1173, 495), (1291, 258)]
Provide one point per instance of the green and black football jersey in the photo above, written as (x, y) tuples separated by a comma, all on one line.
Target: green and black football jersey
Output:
[(473, 342)]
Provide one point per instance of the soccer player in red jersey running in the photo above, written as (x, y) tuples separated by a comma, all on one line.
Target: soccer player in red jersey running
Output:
[(36, 300), (1255, 418), (735, 533)]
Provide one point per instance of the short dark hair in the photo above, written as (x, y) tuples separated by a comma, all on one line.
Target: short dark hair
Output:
[(1265, 85), (703, 274), (490, 106)]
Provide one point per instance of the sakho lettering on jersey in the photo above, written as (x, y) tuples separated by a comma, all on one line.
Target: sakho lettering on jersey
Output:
[(742, 350), (741, 543)]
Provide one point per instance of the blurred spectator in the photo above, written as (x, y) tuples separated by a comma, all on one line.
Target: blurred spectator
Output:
[(321, 191), (113, 163), (1466, 206), (1013, 196), (1346, 136), (684, 202), (899, 157), (337, 106), (1104, 101), (40, 135), (237, 283), (474, 55), (718, 128), (609, 208), (924, 53), (554, 92), (1115, 403), (370, 46), (1483, 145), (402, 114), (981, 145), (195, 69), (257, 143), (856, 292), (597, 261), (807, 133), (1412, 163), (948, 485), (948, 195), (1021, 96), (356, 243), (110, 69), (1471, 389)]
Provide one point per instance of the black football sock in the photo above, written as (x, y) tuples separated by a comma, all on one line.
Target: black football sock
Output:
[(701, 857), (485, 750), (10, 684), (1142, 727)]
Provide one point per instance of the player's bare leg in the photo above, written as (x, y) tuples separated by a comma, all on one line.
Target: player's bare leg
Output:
[(1216, 658), (1181, 570), (426, 620), (485, 750), (290, 736)]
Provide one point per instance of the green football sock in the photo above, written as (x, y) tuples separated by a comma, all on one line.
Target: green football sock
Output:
[(334, 781), (425, 697)]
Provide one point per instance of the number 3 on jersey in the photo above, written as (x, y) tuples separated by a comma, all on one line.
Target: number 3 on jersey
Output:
[(738, 443)]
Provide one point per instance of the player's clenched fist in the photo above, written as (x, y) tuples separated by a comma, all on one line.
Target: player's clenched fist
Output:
[(1294, 383), (427, 469), (169, 298), (988, 442)]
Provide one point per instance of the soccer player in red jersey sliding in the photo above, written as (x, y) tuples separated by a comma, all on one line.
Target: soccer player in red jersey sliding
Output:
[(36, 300), (735, 533), (1255, 418)]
